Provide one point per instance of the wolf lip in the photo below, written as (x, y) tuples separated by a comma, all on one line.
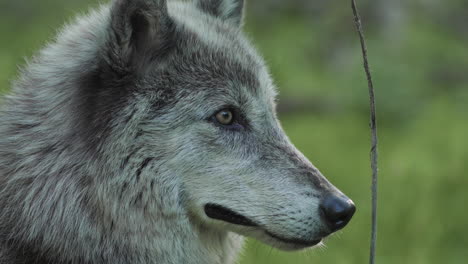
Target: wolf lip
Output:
[(296, 241), (219, 212)]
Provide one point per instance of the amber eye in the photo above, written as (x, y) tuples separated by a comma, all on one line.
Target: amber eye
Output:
[(225, 117)]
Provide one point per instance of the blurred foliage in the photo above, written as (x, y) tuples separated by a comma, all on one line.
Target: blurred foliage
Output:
[(419, 55)]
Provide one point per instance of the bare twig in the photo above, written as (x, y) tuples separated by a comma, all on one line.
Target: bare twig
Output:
[(373, 126)]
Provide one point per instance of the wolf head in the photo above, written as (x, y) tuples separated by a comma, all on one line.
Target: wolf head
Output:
[(207, 129), (164, 110)]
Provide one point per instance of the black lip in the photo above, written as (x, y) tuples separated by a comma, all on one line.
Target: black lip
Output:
[(296, 241), (219, 212)]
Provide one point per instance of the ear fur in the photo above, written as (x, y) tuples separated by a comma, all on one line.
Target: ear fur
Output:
[(139, 30), (228, 10)]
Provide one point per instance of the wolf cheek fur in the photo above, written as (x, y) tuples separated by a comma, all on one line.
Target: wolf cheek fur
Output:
[(110, 152)]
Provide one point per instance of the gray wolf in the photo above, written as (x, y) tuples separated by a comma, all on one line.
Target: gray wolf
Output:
[(146, 133)]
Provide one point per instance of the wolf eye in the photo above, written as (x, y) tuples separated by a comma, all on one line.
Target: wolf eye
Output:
[(225, 117)]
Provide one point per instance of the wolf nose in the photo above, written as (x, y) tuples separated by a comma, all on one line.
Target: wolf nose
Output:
[(337, 211)]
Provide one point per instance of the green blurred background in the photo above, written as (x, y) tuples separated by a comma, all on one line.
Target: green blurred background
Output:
[(419, 54)]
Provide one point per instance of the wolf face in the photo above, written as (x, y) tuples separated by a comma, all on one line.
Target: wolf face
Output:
[(148, 120), (212, 125)]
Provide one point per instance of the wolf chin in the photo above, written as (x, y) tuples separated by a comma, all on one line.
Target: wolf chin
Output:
[(147, 133)]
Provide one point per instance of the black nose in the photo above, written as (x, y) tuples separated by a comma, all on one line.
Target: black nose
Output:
[(337, 211)]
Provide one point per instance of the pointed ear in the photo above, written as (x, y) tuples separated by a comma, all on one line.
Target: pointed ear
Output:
[(227, 10), (139, 30)]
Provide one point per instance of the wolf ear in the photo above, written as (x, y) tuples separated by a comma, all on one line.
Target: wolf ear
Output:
[(139, 30), (227, 10)]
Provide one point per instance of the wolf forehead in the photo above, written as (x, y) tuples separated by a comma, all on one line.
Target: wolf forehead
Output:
[(204, 54), (195, 65)]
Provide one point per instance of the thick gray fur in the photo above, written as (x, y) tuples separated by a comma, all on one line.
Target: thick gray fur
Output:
[(108, 152)]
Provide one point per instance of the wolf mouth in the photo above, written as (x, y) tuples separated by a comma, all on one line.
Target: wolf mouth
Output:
[(222, 213)]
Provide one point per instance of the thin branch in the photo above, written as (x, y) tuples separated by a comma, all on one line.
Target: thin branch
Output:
[(373, 127)]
